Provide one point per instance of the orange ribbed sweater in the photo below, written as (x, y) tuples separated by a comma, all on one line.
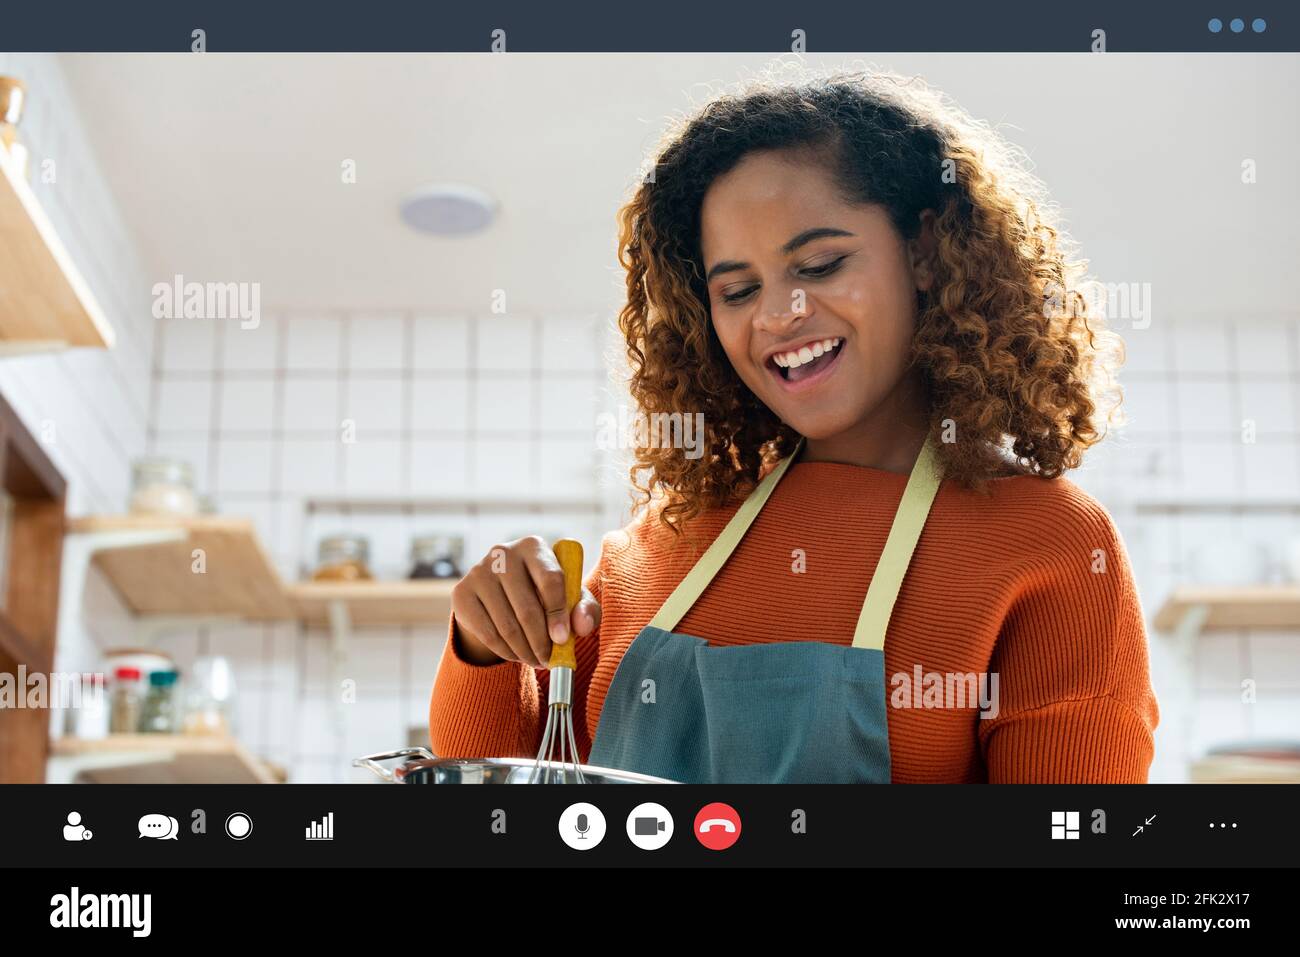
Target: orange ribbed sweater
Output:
[(1031, 583)]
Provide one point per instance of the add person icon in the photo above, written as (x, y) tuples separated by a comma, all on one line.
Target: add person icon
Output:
[(73, 831)]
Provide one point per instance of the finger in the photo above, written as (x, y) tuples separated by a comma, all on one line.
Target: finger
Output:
[(502, 613), (548, 579), (521, 592), (474, 621), (586, 614)]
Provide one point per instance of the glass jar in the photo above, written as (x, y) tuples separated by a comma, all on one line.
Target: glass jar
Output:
[(436, 556), (210, 698), (162, 487), (126, 702), (158, 713), (89, 715), (343, 558)]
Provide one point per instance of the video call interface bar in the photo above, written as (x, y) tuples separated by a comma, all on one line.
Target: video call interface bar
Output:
[(142, 826)]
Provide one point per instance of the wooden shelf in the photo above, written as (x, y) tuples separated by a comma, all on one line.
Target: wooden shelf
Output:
[(157, 579), (44, 301), (374, 603), (1264, 607), (468, 506), (1241, 769), (156, 759)]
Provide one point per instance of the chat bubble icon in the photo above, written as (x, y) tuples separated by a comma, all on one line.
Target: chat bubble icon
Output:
[(158, 826)]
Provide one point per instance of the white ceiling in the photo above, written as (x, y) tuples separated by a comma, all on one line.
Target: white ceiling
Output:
[(227, 167)]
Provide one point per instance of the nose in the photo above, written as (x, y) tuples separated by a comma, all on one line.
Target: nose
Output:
[(782, 309)]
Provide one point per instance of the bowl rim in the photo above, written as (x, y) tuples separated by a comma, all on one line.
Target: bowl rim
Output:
[(422, 764)]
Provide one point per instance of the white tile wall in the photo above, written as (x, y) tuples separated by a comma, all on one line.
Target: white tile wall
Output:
[(383, 347), (440, 342), (440, 402)]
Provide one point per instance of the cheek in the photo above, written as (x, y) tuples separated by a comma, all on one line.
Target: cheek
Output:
[(734, 338), (731, 337)]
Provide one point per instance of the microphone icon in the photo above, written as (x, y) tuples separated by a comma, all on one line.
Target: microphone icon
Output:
[(581, 826)]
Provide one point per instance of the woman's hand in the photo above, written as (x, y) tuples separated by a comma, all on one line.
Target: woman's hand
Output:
[(510, 606)]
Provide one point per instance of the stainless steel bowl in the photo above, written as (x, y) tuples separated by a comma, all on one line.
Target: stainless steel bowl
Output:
[(420, 766)]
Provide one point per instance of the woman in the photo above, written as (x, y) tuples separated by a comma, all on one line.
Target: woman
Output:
[(876, 571)]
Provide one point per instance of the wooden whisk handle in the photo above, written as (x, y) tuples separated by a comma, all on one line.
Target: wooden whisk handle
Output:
[(569, 554)]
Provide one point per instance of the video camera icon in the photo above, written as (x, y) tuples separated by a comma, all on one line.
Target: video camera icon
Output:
[(650, 826)]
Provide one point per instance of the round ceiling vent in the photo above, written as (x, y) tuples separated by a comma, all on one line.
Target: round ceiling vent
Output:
[(448, 209)]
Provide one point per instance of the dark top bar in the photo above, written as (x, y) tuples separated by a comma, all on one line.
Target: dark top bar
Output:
[(756, 26)]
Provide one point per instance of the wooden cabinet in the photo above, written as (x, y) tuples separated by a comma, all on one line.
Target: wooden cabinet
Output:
[(33, 547)]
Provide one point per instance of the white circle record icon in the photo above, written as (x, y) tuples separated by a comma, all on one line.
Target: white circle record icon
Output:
[(239, 825), (582, 826)]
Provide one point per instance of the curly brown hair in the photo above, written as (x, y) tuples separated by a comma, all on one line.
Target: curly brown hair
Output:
[(1012, 362)]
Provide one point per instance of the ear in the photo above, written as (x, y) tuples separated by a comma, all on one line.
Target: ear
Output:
[(922, 249)]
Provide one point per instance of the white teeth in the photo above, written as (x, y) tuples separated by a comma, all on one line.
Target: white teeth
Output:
[(792, 360)]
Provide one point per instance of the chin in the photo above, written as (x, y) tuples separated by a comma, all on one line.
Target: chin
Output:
[(819, 427)]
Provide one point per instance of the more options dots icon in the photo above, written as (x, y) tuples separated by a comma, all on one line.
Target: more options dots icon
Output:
[(582, 826)]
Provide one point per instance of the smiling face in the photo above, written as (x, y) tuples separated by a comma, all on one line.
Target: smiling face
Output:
[(814, 299)]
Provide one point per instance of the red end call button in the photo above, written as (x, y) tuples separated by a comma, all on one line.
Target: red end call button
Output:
[(717, 826)]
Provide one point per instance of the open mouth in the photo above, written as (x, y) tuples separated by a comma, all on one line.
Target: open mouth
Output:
[(805, 365)]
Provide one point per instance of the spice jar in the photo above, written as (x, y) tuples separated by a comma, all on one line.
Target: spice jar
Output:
[(126, 703), (158, 713), (343, 558), (162, 486), (436, 556)]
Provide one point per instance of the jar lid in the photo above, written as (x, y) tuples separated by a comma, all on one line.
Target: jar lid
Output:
[(127, 674), (153, 652), (159, 679), (160, 469), (438, 545), (344, 546)]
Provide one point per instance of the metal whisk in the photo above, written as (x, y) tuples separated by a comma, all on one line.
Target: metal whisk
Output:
[(559, 745)]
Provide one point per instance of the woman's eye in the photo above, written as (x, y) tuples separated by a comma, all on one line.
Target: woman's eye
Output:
[(737, 296), (826, 269), (816, 272)]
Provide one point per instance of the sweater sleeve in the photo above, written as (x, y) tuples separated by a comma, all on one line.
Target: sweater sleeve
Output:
[(1076, 703), (499, 710)]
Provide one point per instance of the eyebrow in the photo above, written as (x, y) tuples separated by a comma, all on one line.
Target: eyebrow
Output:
[(805, 237)]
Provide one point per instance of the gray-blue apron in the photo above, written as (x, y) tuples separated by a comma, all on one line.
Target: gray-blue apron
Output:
[(776, 712)]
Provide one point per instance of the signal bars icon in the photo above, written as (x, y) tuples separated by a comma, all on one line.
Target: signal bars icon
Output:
[(322, 830)]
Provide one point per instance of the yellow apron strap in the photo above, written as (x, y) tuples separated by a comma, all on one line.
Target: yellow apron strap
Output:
[(910, 518), (697, 579)]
